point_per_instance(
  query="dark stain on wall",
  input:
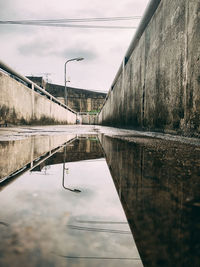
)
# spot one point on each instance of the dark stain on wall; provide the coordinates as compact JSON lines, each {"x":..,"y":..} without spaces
{"x":161,"y":111}
{"x":8,"y":117}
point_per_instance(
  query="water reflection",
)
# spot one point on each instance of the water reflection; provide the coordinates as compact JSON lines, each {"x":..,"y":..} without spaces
{"x":63,"y":209}
{"x":66,"y":170}
{"x":22,"y":155}
{"x":43,"y":224}
{"x":158,"y":183}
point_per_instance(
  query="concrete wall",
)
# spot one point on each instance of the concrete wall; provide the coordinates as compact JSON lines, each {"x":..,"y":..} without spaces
{"x":22,"y":105}
{"x":158,"y":85}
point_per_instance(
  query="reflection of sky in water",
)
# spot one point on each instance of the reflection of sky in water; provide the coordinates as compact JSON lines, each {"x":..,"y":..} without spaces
{"x":38,"y":209}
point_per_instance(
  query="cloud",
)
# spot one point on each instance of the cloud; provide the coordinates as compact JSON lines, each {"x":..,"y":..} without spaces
{"x":41,"y":48}
{"x":36,"y":48}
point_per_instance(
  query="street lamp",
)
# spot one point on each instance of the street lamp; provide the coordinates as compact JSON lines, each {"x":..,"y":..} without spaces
{"x":73,"y":59}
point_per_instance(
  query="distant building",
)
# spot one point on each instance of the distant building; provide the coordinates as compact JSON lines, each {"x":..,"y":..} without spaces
{"x":80,"y":100}
{"x":38,"y":80}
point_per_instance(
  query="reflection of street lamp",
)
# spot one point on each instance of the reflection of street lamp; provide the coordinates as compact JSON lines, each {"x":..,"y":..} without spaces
{"x":63,"y":179}
{"x":73,"y":59}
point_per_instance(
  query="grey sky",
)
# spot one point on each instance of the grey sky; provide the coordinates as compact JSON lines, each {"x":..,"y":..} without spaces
{"x":35,"y":50}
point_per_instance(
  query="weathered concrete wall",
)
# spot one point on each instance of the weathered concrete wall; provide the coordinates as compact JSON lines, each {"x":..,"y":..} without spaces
{"x":158,"y":86}
{"x":20,"y":104}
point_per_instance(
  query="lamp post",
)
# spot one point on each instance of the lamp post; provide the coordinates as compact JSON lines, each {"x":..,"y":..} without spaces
{"x":73,"y":59}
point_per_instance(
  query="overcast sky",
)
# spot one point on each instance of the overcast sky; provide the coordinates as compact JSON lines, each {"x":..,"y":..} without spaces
{"x":33,"y":50}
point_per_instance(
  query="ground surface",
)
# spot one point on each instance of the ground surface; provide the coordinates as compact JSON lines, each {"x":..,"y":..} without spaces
{"x":20,"y":132}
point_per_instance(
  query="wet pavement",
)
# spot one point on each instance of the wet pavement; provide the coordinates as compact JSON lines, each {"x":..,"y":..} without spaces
{"x":98,"y":196}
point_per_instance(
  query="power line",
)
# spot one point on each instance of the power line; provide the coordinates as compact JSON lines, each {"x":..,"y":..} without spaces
{"x":98,"y":258}
{"x":101,"y":222}
{"x":73,"y":20}
{"x":64,"y":22}
{"x":71,"y":25}
{"x":80,"y":228}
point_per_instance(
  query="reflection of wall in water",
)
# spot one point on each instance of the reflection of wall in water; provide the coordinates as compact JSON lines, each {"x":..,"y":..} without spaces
{"x":159,"y":187}
{"x":16,"y":154}
{"x":80,"y":149}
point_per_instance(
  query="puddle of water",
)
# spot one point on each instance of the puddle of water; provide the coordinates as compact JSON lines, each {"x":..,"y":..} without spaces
{"x":65,"y":212}
{"x":159,"y":187}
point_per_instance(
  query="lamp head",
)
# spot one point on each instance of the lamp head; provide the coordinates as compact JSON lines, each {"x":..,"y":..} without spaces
{"x":76,"y":190}
{"x":79,"y":58}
